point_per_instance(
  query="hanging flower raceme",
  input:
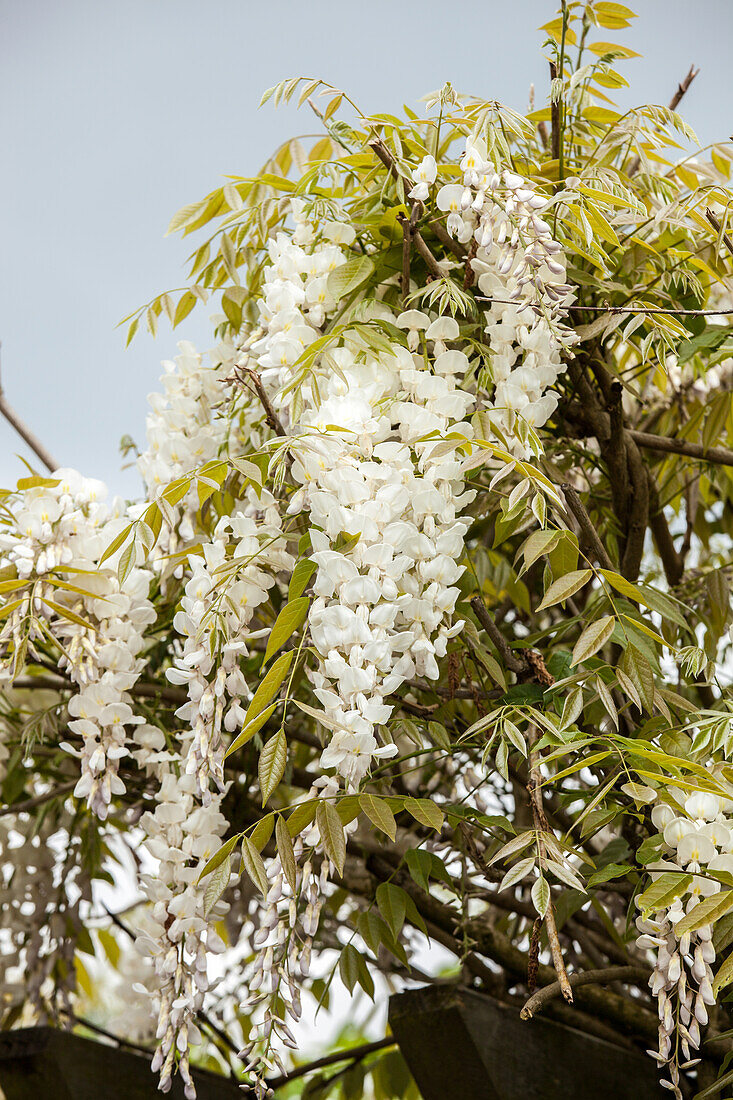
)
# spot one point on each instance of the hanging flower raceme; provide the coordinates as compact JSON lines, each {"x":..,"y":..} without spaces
{"x":179,"y":934}
{"x":225,"y":588}
{"x":697,"y":839}
{"x":61,"y":530}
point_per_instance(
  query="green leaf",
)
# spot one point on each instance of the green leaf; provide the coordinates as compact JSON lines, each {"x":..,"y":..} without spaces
{"x":273,"y":758}
{"x":116,"y":543}
{"x":379,"y":813}
{"x":250,"y":729}
{"x":302,"y":573}
{"x":419,"y":864}
{"x":349,"y":966}
{"x":354,"y":971}
{"x":707,"y":911}
{"x":301,"y":817}
{"x":565,"y":587}
{"x":609,"y":872}
{"x":541,"y":895}
{"x":37,"y":482}
{"x":288,"y":621}
{"x":538,"y":543}
{"x":516,"y":873}
{"x":218,"y":857}
{"x":286,"y":853}
{"x":664,"y":890}
{"x":593,"y":637}
{"x":572,"y":707}
{"x":332,"y":834}
{"x":262,"y":831}
{"x":349,"y":276}
{"x":724,"y":975}
{"x":254,"y":865}
{"x":392,"y":905}
{"x":184,"y":307}
{"x":67,"y":613}
{"x":426,"y":812}
{"x":231,"y":302}
{"x":126,"y":562}
{"x":217,"y":884}
{"x":269,"y":686}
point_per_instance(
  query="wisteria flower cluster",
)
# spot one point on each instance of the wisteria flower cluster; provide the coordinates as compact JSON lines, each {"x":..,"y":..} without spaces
{"x":422,"y":626}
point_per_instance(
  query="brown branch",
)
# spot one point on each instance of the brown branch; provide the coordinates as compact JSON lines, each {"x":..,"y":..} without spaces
{"x":39,"y":800}
{"x":719,"y":456}
{"x":380,"y":150}
{"x":534,"y":787}
{"x":26,"y":434}
{"x":447,"y":241}
{"x":422,"y":248}
{"x":169,"y":693}
{"x":355,"y":1054}
{"x":635,"y":974}
{"x":672,"y":562}
{"x":408,"y":233}
{"x":587,"y":529}
{"x":623,"y":309}
{"x":270,"y":415}
{"x":682,"y":87}
{"x":638,"y":511}
{"x":481,"y":611}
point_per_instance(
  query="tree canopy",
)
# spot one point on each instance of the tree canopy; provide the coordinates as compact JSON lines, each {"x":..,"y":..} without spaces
{"x":421,"y":628}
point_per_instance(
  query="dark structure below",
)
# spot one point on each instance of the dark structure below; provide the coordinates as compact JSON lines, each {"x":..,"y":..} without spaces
{"x":43,"y":1063}
{"x":458,"y":1043}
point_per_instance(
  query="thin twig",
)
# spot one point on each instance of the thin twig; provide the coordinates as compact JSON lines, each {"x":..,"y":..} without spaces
{"x":538,"y":1000}
{"x":715,"y":222}
{"x":619,"y":309}
{"x":534,"y":787}
{"x":380,"y":150}
{"x":592,"y":537}
{"x":124,"y":1043}
{"x":682,"y":88}
{"x":355,"y":1054}
{"x":39,"y":800}
{"x":432,"y":264}
{"x":482,"y":613}
{"x":554,"y":118}
{"x":26,"y":434}
{"x":270,"y":415}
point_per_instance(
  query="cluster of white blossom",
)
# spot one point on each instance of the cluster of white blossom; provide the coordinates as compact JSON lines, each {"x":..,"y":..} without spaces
{"x":225,"y":588}
{"x":179,"y":934}
{"x":183,"y":429}
{"x":382,"y":491}
{"x":521,"y":269}
{"x":282,"y":942}
{"x":61,"y":528}
{"x":226,"y":580}
{"x":698,"y":841}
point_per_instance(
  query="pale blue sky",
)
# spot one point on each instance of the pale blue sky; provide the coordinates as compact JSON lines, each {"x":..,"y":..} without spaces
{"x":113,"y":115}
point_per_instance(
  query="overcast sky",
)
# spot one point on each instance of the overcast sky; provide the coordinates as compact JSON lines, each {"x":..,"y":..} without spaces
{"x":113,"y":115}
